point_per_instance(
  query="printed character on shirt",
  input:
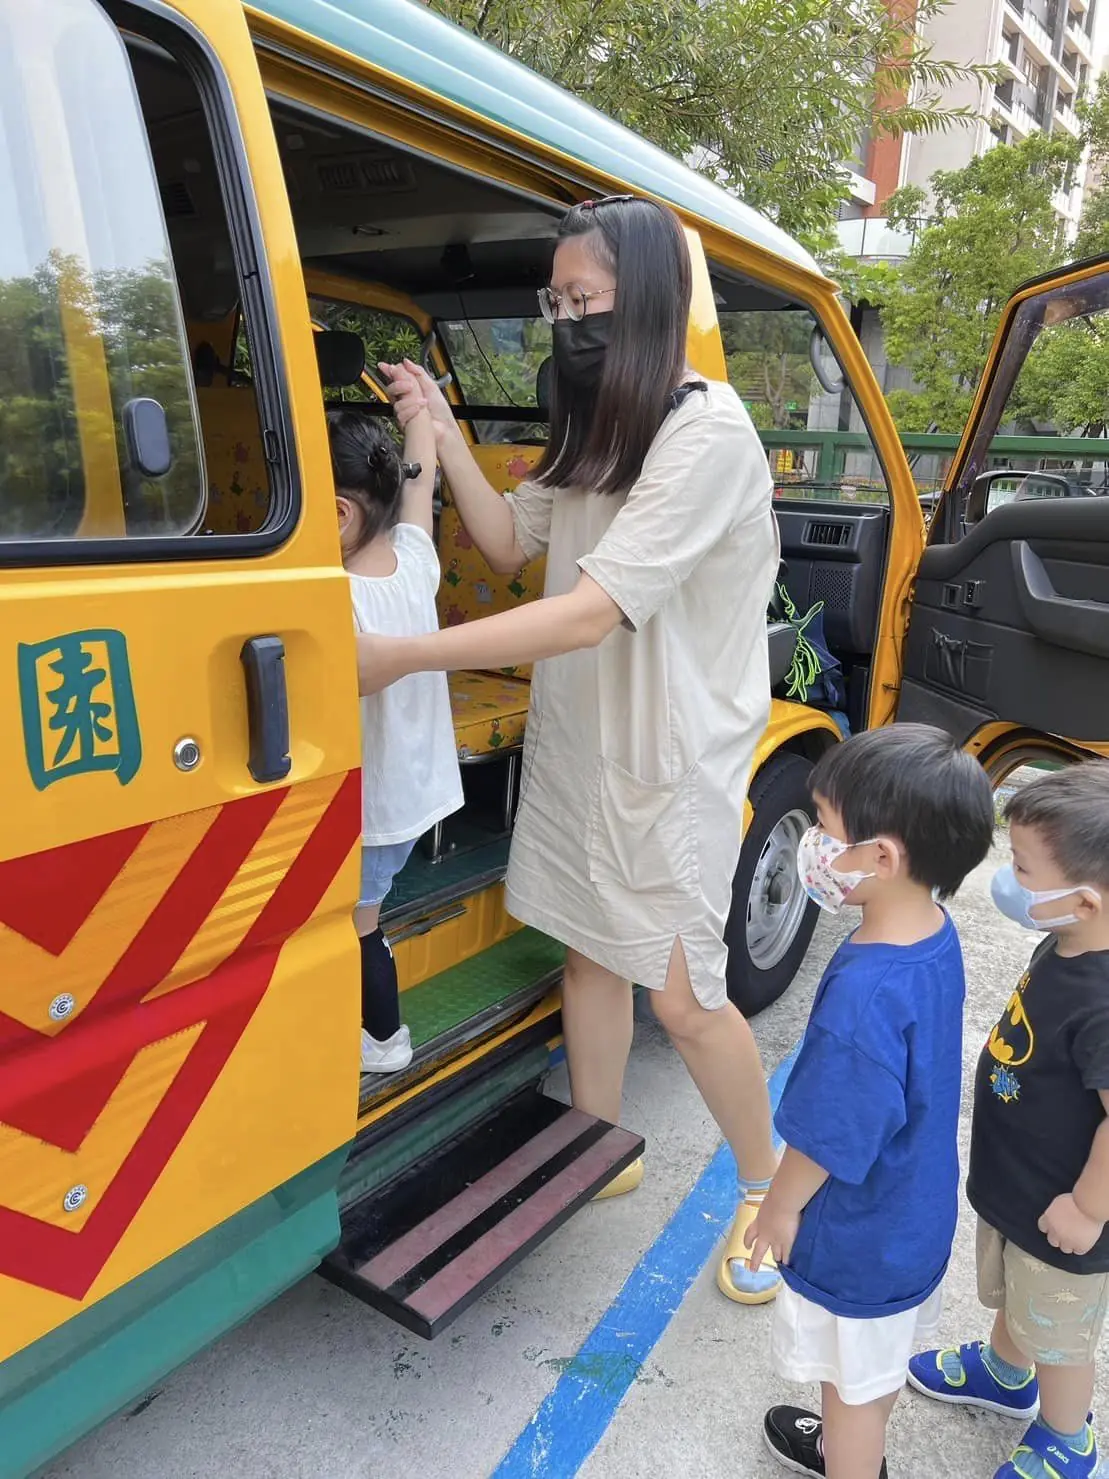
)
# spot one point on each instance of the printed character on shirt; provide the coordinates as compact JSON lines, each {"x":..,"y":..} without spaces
{"x":410,"y":776}
{"x":1039,"y":1145}
{"x":862,"y":1212}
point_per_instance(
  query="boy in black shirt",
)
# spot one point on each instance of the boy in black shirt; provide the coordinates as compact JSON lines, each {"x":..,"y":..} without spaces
{"x":1039,"y":1157}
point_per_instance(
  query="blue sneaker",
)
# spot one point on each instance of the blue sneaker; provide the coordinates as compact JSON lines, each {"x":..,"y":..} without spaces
{"x":975,"y":1387}
{"x":1058,"y":1460}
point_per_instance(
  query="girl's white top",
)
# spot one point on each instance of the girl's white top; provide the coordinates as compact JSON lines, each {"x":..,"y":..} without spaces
{"x":410,"y":777}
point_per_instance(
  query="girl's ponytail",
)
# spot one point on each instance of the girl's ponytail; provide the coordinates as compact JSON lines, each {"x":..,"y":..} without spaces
{"x":367,"y":469}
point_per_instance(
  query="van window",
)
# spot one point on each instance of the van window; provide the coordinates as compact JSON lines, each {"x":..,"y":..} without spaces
{"x":817,"y":442}
{"x":1050,"y":379}
{"x":90,"y":317}
{"x":121,"y":288}
{"x":496,"y":363}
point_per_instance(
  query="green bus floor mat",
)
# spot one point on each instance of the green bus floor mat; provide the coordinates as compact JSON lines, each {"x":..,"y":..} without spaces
{"x":464,"y":991}
{"x":422,"y":882}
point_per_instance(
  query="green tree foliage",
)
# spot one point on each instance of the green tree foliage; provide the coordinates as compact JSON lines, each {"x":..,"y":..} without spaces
{"x":769,"y":97}
{"x":1064,"y":382}
{"x":768,"y":364}
{"x":987,"y":228}
{"x":496,"y":360}
{"x":123,"y":322}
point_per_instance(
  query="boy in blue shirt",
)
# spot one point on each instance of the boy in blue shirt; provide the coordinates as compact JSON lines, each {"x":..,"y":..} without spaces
{"x":862,"y":1212}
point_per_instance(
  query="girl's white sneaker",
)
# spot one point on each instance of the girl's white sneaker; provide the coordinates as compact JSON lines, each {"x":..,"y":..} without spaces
{"x":391,"y":1056}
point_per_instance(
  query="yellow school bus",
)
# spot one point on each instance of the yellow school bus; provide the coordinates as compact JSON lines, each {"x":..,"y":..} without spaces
{"x":213,"y":220}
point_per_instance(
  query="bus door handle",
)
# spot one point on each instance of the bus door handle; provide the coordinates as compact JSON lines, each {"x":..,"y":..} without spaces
{"x":267,"y":703}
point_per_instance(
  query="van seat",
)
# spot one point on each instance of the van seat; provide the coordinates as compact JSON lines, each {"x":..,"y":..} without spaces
{"x":489,"y":712}
{"x":469,"y":590}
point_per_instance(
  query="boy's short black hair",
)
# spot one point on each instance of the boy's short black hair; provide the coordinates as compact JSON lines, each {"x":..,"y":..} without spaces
{"x":1070,"y":810}
{"x":913,"y":783}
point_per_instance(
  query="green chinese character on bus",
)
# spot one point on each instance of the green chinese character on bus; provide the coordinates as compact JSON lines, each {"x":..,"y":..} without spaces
{"x":78,"y":707}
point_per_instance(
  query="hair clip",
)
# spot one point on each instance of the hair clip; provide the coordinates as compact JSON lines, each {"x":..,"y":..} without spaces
{"x":411,"y":470}
{"x":591,"y":205}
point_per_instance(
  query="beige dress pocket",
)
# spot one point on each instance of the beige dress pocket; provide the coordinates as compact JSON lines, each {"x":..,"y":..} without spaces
{"x":642,"y":835}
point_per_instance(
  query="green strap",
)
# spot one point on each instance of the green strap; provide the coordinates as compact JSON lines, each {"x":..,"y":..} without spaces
{"x":804,"y":670}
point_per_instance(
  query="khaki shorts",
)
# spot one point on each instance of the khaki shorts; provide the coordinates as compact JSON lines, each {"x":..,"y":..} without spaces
{"x":1054,"y":1317}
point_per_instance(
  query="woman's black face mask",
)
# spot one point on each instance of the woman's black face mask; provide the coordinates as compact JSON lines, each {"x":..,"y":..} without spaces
{"x":579,"y":348}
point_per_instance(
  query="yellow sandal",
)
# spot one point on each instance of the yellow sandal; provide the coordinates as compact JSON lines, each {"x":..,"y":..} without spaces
{"x":623,"y":1182}
{"x":761,"y":1285}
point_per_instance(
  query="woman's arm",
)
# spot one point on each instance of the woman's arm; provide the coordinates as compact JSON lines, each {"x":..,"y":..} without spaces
{"x":528,"y":633}
{"x":419,"y":446}
{"x":485,"y":515}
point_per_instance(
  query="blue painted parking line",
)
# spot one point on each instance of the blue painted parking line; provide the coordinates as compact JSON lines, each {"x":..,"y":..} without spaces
{"x":573,"y":1417}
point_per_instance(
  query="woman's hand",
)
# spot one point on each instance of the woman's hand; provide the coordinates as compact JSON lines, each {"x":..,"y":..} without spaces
{"x":412,"y":390}
{"x":381,"y":661}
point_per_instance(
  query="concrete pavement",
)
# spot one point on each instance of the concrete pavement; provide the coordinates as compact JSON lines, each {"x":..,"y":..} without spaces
{"x":319,"y":1387}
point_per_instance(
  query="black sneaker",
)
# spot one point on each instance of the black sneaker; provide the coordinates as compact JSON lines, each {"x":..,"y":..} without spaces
{"x":793,"y":1437}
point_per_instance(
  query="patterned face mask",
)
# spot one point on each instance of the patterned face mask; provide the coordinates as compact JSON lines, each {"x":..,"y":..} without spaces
{"x":1017,"y":902}
{"x":825,"y":885}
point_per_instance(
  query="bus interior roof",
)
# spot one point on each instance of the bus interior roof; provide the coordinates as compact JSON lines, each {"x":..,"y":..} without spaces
{"x":364,"y":208}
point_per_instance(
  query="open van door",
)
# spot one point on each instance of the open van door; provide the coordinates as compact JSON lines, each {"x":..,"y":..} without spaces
{"x":1010,"y":615}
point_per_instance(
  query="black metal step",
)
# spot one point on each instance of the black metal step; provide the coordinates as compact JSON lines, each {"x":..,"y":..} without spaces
{"x":422,"y":1249}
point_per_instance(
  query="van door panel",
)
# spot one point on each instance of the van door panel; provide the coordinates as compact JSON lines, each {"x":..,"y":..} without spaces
{"x":1010,"y":616}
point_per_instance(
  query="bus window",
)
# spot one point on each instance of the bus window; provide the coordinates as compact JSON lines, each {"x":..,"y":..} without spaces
{"x":90,"y":317}
{"x":817,"y":441}
{"x":496,"y":362}
{"x":120,"y":287}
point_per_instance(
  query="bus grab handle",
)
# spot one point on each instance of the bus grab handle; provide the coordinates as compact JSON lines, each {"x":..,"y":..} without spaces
{"x":267,"y":703}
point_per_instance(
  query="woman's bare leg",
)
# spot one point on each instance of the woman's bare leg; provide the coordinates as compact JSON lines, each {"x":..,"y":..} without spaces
{"x":719,"y":1050}
{"x":597,"y":1027}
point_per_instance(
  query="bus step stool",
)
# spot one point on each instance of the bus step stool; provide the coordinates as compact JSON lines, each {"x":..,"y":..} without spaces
{"x":423,"y":1248}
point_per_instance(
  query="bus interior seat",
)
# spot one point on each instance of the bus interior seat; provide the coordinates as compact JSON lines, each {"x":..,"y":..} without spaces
{"x":489,"y":709}
{"x":340,"y":357}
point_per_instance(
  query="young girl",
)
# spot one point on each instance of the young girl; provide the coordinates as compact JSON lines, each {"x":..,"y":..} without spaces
{"x":410,"y":777}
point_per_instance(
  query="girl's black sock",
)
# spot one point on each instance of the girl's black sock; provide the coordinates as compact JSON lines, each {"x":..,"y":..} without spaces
{"x":380,"y":994}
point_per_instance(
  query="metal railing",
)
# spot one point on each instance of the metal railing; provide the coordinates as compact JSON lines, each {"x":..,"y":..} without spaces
{"x":843,"y":466}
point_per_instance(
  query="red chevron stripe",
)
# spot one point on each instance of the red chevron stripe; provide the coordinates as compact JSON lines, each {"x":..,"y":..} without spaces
{"x":63,"y":1114}
{"x":48,"y":897}
{"x":68,"y":1263}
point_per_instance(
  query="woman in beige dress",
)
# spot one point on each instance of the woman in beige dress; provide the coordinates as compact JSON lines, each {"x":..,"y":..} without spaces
{"x":652,"y":504}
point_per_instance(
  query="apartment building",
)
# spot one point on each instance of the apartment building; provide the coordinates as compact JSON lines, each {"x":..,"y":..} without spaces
{"x":1049,"y":54}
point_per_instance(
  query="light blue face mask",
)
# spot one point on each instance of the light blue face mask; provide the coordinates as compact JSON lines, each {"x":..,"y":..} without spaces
{"x":1016,"y":902}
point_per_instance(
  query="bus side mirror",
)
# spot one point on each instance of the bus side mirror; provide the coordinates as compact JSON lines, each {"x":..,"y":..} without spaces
{"x":146,"y":434}
{"x":993,"y":490}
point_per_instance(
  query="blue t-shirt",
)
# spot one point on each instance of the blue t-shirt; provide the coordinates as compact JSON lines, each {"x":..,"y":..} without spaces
{"x":874,"y":1100}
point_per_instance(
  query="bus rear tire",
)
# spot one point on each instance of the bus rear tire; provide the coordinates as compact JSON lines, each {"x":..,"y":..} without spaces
{"x":772,"y":918}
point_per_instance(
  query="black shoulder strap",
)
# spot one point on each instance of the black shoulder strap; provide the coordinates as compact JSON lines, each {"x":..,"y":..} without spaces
{"x":679,"y":394}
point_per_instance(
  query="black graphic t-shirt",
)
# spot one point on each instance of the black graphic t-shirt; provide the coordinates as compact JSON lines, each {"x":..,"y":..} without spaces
{"x":1036,"y":1102}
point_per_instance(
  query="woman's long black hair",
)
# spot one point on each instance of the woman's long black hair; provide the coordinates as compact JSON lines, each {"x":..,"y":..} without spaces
{"x":599,"y":440}
{"x":367,"y":469}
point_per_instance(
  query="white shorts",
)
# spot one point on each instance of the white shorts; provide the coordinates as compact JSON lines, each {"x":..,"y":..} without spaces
{"x":862,"y":1359}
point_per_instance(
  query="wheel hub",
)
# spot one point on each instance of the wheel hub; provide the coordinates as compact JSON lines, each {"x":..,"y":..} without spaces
{"x":777,"y":902}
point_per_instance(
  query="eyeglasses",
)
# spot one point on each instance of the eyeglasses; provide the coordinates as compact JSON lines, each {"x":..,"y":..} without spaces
{"x":573,"y":302}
